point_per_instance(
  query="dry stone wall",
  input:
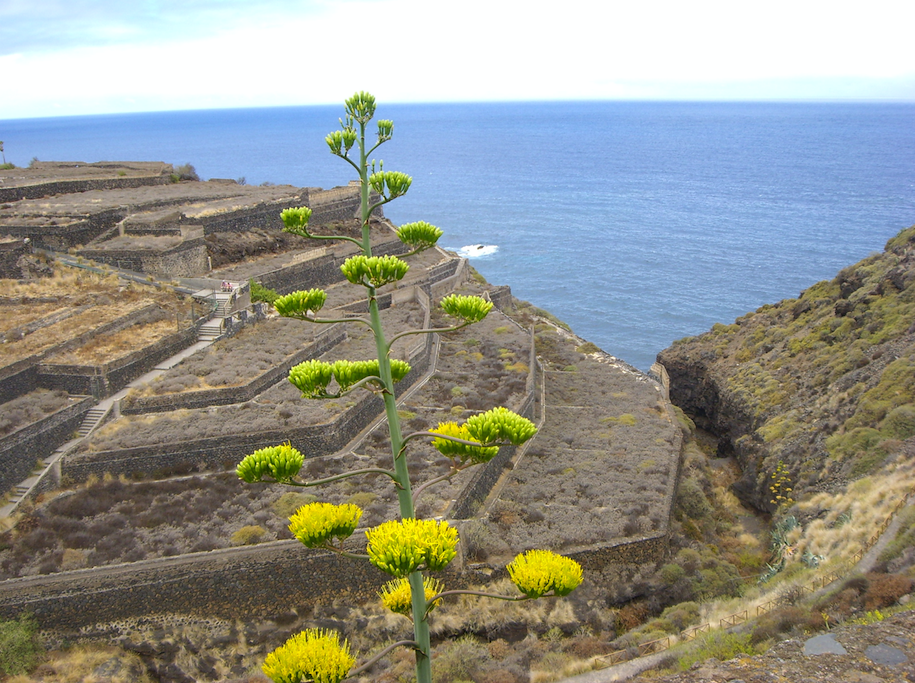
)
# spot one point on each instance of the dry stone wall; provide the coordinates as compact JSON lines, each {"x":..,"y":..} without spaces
{"x":257,"y":582}
{"x":20,"y":450}
{"x":225,"y":452}
{"x":224,"y":396}
{"x":187,"y":259}
{"x":246,"y":583}
{"x":106,"y":379}
{"x":10,"y":253}
{"x":47,"y":189}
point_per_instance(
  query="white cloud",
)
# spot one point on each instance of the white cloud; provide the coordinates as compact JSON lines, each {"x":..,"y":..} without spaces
{"x":262,"y":54}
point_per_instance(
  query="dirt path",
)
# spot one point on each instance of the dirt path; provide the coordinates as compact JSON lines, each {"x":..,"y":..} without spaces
{"x":626,"y":670}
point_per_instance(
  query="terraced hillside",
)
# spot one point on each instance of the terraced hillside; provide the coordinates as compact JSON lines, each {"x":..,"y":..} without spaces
{"x":151,"y":482}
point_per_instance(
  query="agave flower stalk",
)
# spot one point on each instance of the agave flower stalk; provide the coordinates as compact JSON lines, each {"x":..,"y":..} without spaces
{"x":404,"y":547}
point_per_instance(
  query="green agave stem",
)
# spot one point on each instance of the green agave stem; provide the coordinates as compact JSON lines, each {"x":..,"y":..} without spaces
{"x":404,"y":492}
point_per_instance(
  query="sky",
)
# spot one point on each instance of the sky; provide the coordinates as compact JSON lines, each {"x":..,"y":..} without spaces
{"x":71,"y":57}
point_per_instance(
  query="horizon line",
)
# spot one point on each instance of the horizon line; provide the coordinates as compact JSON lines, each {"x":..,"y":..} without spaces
{"x":825,"y":101}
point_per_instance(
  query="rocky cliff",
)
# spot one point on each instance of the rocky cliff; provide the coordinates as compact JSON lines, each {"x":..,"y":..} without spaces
{"x":823,"y":384}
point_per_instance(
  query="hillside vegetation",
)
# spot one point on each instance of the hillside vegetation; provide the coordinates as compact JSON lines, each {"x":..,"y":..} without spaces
{"x":823,"y":384}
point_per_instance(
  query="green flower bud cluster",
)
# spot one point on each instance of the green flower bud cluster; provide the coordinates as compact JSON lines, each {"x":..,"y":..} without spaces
{"x":390,"y":184}
{"x":499,"y":425}
{"x":461,"y":451}
{"x":312,"y":655}
{"x":295,"y":220}
{"x":385,"y":130}
{"x":312,"y":377}
{"x":374,"y":270}
{"x":297,"y":304}
{"x":399,"y":547}
{"x":317,"y":523}
{"x":396,"y":596}
{"x":537,"y":572}
{"x":360,"y":106}
{"x":419,"y":235}
{"x":281,"y":462}
{"x":342,"y":141}
{"x":470,"y":309}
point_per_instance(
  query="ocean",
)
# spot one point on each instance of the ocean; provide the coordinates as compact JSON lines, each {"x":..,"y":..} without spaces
{"x":637,"y":223}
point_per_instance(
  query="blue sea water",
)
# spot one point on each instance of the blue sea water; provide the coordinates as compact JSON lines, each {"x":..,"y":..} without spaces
{"x":637,"y":223}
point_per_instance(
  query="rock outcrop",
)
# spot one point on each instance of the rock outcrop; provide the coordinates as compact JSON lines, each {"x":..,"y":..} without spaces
{"x":824,"y":384}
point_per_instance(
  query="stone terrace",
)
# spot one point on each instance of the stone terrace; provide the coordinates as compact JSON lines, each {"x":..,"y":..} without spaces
{"x":604,"y":427}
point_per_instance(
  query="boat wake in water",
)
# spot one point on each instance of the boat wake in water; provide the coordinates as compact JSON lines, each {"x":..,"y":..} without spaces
{"x":476,"y":250}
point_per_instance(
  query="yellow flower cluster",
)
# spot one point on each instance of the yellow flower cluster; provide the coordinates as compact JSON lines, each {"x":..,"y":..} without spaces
{"x":397,"y":596}
{"x":461,"y":451}
{"x":316,"y":523}
{"x":374,"y":270}
{"x":537,"y":572}
{"x":781,"y":485}
{"x":281,"y":462}
{"x":314,"y":654}
{"x":399,"y":547}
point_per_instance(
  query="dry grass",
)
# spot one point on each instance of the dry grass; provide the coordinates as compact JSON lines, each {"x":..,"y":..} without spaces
{"x":114,"y":346}
{"x":93,"y":299}
{"x":17,"y":316}
{"x":87,"y":664}
{"x":64,"y":282}
{"x":848,"y":519}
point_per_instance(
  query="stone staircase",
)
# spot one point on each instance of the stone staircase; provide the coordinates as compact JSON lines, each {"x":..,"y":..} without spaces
{"x":93,"y":419}
{"x":211,"y":330}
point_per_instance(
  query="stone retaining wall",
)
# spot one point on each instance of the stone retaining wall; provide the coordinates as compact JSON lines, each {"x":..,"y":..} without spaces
{"x":641,"y":552}
{"x":10,"y":253}
{"x":225,"y":452}
{"x":337,"y":204}
{"x":257,"y":582}
{"x":321,"y":271}
{"x":263,"y":216}
{"x":20,"y":450}
{"x":79,"y":229}
{"x":19,"y":378}
{"x":244,"y":583}
{"x":22,"y":376}
{"x":224,"y":396}
{"x":485,"y":477}
{"x":47,"y":189}
{"x":103,"y":380}
{"x":187,"y":259}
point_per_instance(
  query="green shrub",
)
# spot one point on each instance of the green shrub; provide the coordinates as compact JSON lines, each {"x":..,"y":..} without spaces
{"x":248,"y":535}
{"x":362,"y":499}
{"x":261,"y":293}
{"x":588,"y":347}
{"x":288,"y":503}
{"x":19,"y":646}
{"x":186,"y":172}
{"x":718,"y":644}
{"x":691,"y":499}
{"x":671,"y":573}
{"x":899,"y":423}
{"x":905,"y":538}
{"x":460,"y":660}
{"x":683,"y":615}
{"x":855,"y":442}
